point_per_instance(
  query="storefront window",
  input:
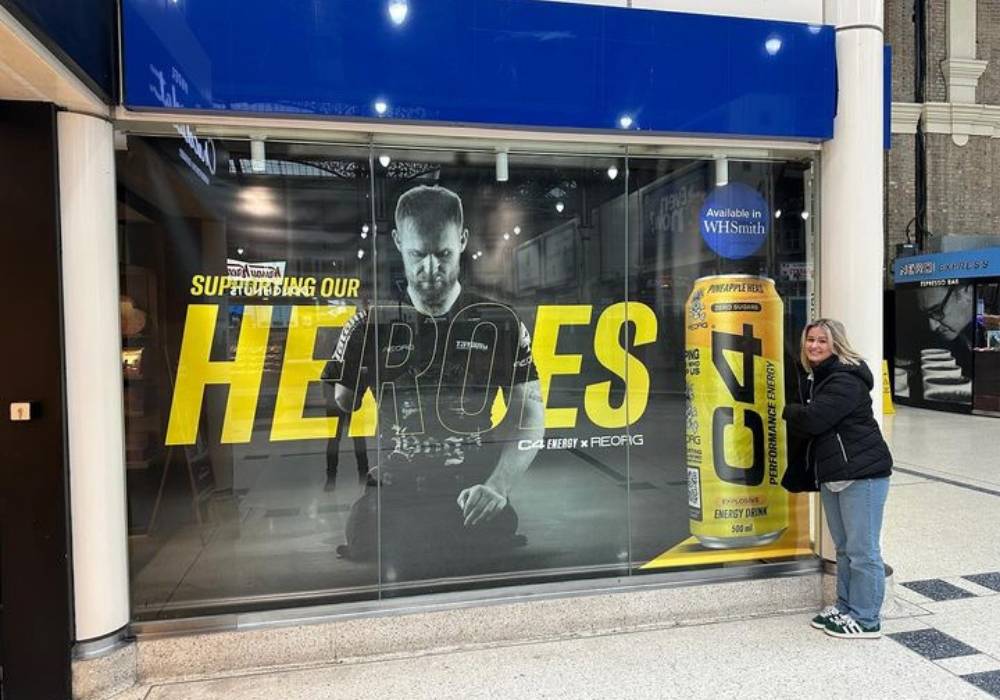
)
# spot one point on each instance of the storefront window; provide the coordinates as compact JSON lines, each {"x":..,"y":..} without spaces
{"x":359,"y":372}
{"x":718,"y":264}
{"x":986,"y":389}
{"x":232,"y":282}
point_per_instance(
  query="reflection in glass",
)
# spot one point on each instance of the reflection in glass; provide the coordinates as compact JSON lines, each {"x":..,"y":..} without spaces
{"x":240,"y":469}
{"x":377,"y":371}
{"x":487,"y":343}
{"x":702,"y":251}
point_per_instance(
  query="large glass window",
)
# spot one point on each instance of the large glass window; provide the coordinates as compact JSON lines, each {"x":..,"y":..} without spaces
{"x":355,"y":372}
{"x":718,"y":281}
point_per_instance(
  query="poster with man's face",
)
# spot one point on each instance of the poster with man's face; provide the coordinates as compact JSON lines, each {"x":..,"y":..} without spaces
{"x":934,"y":340}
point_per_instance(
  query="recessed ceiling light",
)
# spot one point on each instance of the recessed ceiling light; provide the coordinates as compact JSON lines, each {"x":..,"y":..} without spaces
{"x":398,"y":10}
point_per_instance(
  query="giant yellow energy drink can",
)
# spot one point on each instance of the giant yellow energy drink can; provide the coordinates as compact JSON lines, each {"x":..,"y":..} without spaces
{"x":735,"y":395}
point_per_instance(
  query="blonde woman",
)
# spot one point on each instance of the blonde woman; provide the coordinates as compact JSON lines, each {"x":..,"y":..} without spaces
{"x":851,"y":464}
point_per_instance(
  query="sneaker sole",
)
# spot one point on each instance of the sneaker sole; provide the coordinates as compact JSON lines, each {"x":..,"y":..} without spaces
{"x":817,"y":625}
{"x":853,"y":635}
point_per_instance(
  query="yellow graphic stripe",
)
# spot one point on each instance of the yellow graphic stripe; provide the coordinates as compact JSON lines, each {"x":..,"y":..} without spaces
{"x":691,"y":553}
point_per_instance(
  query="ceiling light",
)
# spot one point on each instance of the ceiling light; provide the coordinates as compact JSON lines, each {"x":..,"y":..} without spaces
{"x":398,"y":10}
{"x":721,"y":171}
{"x":503,"y":172}
{"x":805,"y":215}
{"x":613,"y":172}
{"x":506,"y":236}
{"x":773,"y":45}
{"x":517,"y":230}
{"x":384,"y":160}
{"x":258,"y":201}
{"x":479,"y":253}
{"x":777,"y":213}
{"x":364,"y":235}
{"x":239,"y":251}
{"x":365,"y":229}
{"x":625,"y":121}
{"x":559,"y":207}
{"x":258,"y":156}
{"x":361,"y":253}
{"x":381,"y":107}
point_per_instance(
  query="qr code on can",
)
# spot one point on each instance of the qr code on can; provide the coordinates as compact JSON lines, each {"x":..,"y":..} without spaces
{"x":694,"y":488}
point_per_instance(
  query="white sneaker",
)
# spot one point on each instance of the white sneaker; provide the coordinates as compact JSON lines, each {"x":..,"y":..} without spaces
{"x":846,"y":627}
{"x":826,"y":614}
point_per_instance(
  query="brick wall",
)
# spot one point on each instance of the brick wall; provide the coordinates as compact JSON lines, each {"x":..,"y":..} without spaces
{"x":988,"y":49}
{"x":963,"y":185}
{"x":899,"y":33}
{"x":936,"y":14}
{"x":900,"y":207}
{"x":963,"y":182}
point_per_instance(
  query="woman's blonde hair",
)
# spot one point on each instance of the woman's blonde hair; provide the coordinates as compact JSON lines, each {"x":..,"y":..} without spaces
{"x":838,"y":339}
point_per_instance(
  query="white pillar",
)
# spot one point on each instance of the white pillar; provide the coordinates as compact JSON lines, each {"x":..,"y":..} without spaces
{"x":851,"y":230}
{"x":94,"y":414}
{"x":851,"y":185}
{"x":961,"y":69}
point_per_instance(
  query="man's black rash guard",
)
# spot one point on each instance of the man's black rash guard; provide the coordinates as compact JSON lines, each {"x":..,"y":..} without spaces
{"x":436,"y":379}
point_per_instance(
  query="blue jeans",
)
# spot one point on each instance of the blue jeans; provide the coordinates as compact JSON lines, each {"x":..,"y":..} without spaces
{"x":855,"y":519}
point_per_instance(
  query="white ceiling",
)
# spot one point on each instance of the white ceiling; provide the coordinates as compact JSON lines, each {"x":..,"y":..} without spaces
{"x":29,"y":71}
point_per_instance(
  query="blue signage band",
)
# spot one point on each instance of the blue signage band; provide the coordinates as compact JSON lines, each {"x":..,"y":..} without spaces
{"x":521,"y":63}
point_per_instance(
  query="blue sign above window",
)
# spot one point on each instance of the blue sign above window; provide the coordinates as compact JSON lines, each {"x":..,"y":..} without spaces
{"x":81,"y":34}
{"x":520,"y":63}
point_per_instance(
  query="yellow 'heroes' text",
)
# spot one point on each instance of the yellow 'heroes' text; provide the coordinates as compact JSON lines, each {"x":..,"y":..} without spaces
{"x":244,"y":373}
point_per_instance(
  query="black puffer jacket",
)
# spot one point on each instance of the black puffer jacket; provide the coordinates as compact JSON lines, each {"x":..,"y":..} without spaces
{"x":844,"y":440}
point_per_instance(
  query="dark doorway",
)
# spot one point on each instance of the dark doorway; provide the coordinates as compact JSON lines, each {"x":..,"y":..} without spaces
{"x":35,"y":592}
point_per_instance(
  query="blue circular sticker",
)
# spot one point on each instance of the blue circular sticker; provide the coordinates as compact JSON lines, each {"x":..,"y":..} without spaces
{"x":735,"y":221}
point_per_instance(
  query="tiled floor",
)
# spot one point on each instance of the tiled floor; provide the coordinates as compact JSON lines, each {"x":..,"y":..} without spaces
{"x":940,"y":536}
{"x":776,"y":657}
